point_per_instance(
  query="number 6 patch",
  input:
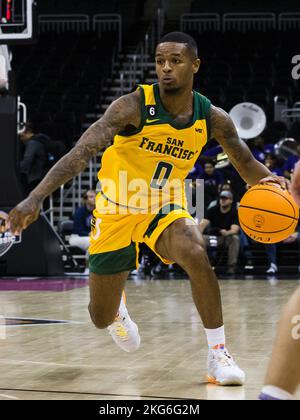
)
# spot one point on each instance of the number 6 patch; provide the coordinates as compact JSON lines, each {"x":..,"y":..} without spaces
{"x":151,"y":110}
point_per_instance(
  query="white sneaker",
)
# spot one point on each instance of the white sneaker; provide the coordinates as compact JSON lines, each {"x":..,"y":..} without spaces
{"x":273,"y":269}
{"x":124,"y":331}
{"x":222,"y":369}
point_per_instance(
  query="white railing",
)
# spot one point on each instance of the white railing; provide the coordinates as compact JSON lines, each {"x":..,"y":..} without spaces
{"x":138,"y":61}
{"x":242,"y":22}
{"x":290,"y":115}
{"x":249,"y":21}
{"x":160,"y":22}
{"x":64,"y":23}
{"x":99,"y":23}
{"x":75,"y":190}
{"x":107,"y":23}
{"x":289,"y":21}
{"x":280,"y":104}
{"x":200,"y":22}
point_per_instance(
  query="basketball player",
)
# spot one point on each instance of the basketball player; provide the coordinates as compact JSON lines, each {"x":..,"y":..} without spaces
{"x":283,"y":376}
{"x":158,"y":133}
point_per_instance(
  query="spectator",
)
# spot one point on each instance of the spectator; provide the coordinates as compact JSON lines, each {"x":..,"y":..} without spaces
{"x":212,"y":179}
{"x":221,"y":224}
{"x":257,"y":146}
{"x":211,"y":175}
{"x":246,"y":253}
{"x":197,"y":172}
{"x":289,"y":165}
{"x":34,"y":164}
{"x":272,"y":163}
{"x":224,"y":187}
{"x":82,"y":222}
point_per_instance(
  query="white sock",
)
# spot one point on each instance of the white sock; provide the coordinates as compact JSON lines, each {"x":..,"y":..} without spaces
{"x":278,"y":393}
{"x":215,"y":337}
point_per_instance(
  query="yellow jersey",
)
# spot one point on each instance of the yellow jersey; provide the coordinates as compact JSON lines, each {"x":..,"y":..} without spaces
{"x":151,"y":162}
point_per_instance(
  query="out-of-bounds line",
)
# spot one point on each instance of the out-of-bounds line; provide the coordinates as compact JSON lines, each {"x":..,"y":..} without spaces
{"x":93,"y":393}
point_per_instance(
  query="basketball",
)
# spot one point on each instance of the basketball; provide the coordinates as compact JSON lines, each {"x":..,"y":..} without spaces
{"x":268,"y":214}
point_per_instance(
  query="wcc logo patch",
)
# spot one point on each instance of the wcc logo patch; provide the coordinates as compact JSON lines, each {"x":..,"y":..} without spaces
{"x":7,"y":239}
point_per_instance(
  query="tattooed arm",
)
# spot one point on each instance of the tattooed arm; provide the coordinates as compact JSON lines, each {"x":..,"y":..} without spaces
{"x":252,"y":171}
{"x":122,"y":113}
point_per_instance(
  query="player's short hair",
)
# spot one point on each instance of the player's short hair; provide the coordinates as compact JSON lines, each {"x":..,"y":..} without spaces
{"x":182,"y":38}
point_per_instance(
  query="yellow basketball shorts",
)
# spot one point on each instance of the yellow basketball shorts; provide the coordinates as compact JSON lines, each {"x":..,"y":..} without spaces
{"x":115,"y":238}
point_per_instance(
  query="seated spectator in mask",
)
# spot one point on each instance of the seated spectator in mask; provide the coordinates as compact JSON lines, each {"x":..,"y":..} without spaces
{"x":211,"y":175}
{"x":221,"y":221}
{"x":82,"y":222}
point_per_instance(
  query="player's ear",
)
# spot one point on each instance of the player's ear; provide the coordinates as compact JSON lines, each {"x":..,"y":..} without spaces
{"x":196,"y":65}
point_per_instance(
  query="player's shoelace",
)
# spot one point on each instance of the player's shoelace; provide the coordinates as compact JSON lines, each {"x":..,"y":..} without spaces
{"x":224,"y":358}
{"x":119,"y":330}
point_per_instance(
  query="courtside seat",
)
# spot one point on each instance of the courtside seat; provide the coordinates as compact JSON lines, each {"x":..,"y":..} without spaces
{"x":65,"y":228}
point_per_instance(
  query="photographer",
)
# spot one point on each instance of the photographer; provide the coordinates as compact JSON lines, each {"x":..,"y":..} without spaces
{"x":220,"y":225}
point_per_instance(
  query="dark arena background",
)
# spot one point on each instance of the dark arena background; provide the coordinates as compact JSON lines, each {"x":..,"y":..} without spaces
{"x":62,"y":63}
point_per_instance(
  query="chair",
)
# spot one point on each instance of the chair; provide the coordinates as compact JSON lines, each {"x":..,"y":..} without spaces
{"x":65,"y":228}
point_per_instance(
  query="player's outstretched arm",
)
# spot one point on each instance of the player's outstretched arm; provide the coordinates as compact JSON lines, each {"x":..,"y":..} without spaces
{"x":122,"y":113}
{"x":252,"y":171}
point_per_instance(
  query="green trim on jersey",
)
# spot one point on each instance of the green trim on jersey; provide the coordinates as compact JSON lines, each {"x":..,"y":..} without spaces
{"x":201,"y":111}
{"x":205,"y":107}
{"x":164,"y":115}
{"x":163,"y":212}
{"x":113,"y":262}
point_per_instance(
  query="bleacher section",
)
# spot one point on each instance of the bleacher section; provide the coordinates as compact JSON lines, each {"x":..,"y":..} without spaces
{"x":253,"y":66}
{"x":60,"y":79}
{"x":65,"y":77}
{"x":227,"y":6}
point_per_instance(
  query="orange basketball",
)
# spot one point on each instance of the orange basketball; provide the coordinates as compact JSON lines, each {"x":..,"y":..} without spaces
{"x":268,"y":214}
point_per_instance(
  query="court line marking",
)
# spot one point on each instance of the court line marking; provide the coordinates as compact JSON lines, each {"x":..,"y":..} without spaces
{"x":48,"y":322}
{"x":94,"y":393}
{"x":9,"y":396}
{"x":22,"y":362}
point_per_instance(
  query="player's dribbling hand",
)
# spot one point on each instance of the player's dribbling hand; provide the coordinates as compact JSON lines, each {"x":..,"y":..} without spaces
{"x":279,"y":180}
{"x":23,"y":215}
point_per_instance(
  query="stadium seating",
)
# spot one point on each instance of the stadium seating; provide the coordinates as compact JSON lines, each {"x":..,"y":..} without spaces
{"x":60,"y":77}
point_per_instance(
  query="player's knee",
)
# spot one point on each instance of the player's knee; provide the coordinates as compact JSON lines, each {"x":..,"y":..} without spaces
{"x":196,"y":255}
{"x":100,"y":319}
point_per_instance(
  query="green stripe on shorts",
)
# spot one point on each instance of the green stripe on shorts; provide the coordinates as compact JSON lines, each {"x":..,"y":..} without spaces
{"x":114,"y":262}
{"x":163,"y":212}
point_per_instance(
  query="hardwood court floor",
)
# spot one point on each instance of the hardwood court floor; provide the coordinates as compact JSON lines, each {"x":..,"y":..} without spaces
{"x":77,"y":361}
